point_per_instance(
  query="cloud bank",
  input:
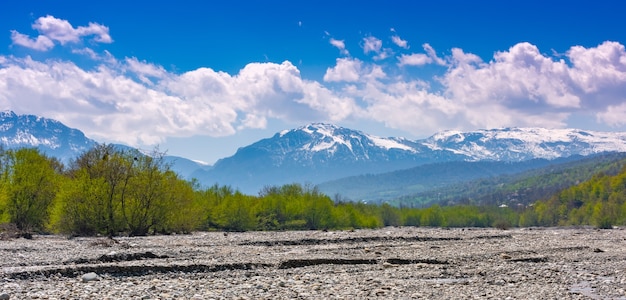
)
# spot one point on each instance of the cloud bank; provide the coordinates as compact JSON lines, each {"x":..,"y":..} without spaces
{"x":137,"y":102}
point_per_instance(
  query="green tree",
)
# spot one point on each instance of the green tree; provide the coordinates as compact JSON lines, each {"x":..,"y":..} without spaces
{"x":29,"y":185}
{"x":183,"y":212}
{"x":390,"y":215}
{"x":145,"y":200}
{"x":98,"y":187}
{"x":318,"y":212}
{"x":235,"y":213}
{"x":432,"y":216}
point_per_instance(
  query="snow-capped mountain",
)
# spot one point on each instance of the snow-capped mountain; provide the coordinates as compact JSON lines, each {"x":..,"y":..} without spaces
{"x":519,"y":144}
{"x":320,"y":152}
{"x":320,"y":143}
{"x":314,"y":153}
{"x":49,"y":136}
{"x":55,"y":139}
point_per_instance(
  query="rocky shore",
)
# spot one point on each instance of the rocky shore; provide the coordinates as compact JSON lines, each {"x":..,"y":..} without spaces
{"x":389,"y":263}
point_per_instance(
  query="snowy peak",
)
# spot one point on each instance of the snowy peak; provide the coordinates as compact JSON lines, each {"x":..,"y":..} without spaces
{"x":517,"y":144}
{"x":332,"y":138}
{"x":49,"y":136}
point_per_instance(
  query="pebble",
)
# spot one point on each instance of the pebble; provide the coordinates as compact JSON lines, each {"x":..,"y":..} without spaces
{"x":89,"y":277}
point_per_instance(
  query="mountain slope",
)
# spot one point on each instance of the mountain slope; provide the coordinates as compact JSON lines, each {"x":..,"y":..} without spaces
{"x":525,"y":187}
{"x":49,"y":136}
{"x":421,"y":179}
{"x":55,"y":139}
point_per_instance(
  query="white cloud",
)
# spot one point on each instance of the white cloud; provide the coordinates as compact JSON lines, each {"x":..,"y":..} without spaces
{"x":433,"y":55}
{"x":372,"y":44}
{"x":351,"y":70}
{"x":87,"y":52}
{"x":346,"y":69}
{"x":384,"y":54}
{"x":144,"y":70}
{"x":524,"y":87}
{"x":400,"y":42}
{"x":339,"y":44}
{"x":602,"y":67}
{"x":114,"y":103}
{"x":41,"y":43}
{"x":53,"y":29}
{"x":415,"y":59}
{"x":420,"y":59}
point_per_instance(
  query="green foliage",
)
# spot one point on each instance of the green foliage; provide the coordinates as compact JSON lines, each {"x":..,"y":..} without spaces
{"x":110,"y":191}
{"x":600,"y":201}
{"x":107,"y":191}
{"x":29,"y":184}
{"x":433,"y":216}
{"x":390,"y":215}
{"x":523,"y":188}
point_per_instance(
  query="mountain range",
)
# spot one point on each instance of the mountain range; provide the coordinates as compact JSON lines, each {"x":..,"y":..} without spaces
{"x":319,"y":153}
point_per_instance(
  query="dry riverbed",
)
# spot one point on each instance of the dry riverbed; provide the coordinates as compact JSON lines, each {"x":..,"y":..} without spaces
{"x":389,"y":263}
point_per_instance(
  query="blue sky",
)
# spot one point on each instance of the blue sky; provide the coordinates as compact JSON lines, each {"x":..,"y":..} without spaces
{"x":202,"y":78}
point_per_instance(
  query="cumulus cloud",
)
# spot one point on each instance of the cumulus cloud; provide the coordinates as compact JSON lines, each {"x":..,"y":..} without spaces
{"x":52,"y":30}
{"x":145,"y":70}
{"x":420,"y":59}
{"x":346,"y":70}
{"x":523,"y":84}
{"x":400,"y":42}
{"x":433,"y":55}
{"x":339,"y":44}
{"x":350,"y":70}
{"x":116,"y":103}
{"x":41,"y":43}
{"x":371,"y":44}
{"x":415,"y":59}
{"x":374,"y":45}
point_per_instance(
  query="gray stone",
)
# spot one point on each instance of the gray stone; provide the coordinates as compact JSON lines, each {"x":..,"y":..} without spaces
{"x":4,"y":296}
{"x":89,"y":277}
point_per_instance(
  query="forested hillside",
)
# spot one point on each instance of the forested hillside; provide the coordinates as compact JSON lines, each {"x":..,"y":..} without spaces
{"x":379,"y":188}
{"x":521,"y":188}
{"x":600,"y":201}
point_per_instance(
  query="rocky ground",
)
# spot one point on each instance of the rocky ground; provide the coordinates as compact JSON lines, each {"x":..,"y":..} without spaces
{"x":389,"y":263}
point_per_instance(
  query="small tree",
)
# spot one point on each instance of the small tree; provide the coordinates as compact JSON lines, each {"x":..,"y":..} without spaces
{"x":29,"y":187}
{"x":98,"y":188}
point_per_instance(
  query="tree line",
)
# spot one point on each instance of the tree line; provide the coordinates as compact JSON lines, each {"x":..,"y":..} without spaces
{"x":109,"y":191}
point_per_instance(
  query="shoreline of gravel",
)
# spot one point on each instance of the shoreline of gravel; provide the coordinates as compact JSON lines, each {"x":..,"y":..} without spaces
{"x":387,"y":263}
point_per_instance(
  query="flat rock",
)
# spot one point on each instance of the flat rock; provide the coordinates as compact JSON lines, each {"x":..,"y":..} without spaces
{"x":91,"y":276}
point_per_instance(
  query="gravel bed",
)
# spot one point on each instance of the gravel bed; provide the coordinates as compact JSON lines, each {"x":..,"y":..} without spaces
{"x":388,"y":263}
